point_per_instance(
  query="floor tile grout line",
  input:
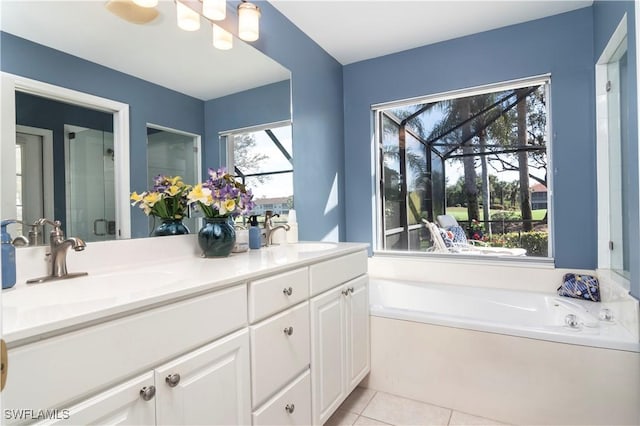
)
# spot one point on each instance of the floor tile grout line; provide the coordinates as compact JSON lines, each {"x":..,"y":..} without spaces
{"x":375,"y":392}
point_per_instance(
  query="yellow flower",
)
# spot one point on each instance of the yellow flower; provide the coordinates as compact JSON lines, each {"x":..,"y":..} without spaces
{"x":151,"y":198}
{"x":136,"y":198}
{"x":173,"y":190}
{"x":227,"y":206}
{"x":198,"y":193}
{"x":174,"y":181}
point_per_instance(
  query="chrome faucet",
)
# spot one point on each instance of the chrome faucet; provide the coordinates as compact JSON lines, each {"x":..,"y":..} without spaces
{"x":58,"y":253}
{"x":269,"y":228}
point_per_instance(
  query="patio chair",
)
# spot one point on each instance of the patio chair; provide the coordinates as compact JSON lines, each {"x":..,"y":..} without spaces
{"x":441,"y":245}
{"x":448,"y":222}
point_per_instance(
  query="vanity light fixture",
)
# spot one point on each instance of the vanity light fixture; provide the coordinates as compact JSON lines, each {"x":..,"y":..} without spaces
{"x":222,"y":39}
{"x":146,"y":3}
{"x":188,"y":19}
{"x":215,"y":10}
{"x":248,"y":21}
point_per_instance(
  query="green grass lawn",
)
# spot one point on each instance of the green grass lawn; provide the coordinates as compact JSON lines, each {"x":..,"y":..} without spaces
{"x":460,"y":213}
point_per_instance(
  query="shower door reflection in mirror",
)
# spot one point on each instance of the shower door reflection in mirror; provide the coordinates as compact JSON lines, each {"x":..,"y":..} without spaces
{"x":89,"y":183}
{"x":173,"y":153}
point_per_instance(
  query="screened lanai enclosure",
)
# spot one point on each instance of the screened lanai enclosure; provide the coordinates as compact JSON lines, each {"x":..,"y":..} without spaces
{"x":470,"y":167}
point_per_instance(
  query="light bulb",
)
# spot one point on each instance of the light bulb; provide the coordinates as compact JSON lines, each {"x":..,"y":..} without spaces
{"x":222,"y":39}
{"x":216,"y":10}
{"x":188,"y":20}
{"x":146,"y":3}
{"x":248,"y":21}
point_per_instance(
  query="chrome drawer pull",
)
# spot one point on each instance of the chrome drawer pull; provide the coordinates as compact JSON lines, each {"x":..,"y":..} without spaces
{"x":290,"y":408}
{"x":172,"y":380}
{"x":148,"y":392}
{"x":288,"y":331}
{"x":288,"y":291}
{"x":345,"y":292}
{"x":350,"y":289}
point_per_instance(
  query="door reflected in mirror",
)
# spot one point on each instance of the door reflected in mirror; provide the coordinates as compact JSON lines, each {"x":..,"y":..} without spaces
{"x":65,"y":167}
{"x":173,"y":153}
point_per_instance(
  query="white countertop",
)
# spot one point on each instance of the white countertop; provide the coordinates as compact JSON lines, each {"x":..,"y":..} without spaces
{"x":138,"y":274}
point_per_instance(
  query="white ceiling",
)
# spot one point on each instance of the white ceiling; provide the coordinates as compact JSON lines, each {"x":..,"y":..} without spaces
{"x":158,"y":52}
{"x":356,"y":30}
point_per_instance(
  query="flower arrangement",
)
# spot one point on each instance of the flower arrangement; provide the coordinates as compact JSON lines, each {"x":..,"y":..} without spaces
{"x":221,"y":196}
{"x":166,"y":200}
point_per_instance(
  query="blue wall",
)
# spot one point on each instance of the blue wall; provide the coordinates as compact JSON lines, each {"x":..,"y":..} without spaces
{"x":262,"y":105}
{"x":148,"y":102}
{"x":317,"y":114}
{"x":607,"y":16}
{"x":560,"y":45}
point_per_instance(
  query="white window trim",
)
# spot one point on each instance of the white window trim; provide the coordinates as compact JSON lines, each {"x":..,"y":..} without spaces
{"x":477,"y":90}
{"x":602,"y":152}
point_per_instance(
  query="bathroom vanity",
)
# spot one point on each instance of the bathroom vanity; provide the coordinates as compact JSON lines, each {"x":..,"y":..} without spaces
{"x":272,"y":336}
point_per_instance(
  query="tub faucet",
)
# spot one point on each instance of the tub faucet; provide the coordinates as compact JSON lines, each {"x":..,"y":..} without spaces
{"x":269,"y":228}
{"x":58,"y":253}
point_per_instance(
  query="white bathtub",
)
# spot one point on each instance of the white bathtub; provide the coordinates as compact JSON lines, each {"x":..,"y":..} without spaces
{"x":501,"y":354}
{"x":515,"y":313}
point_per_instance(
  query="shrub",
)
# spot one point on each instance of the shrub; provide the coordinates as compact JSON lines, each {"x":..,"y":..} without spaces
{"x":535,"y":242}
{"x":497,"y":207}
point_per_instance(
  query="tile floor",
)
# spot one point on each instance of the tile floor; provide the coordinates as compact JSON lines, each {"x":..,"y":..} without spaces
{"x":368,"y":407}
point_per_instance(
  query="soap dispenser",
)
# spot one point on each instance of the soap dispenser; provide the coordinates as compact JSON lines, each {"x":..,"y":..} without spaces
{"x":255,"y":240}
{"x":292,"y":233}
{"x":8,"y":256}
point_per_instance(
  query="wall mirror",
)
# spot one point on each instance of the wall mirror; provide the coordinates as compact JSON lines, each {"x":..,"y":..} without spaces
{"x":156,"y":75}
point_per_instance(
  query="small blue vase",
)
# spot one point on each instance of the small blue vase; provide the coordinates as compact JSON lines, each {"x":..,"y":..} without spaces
{"x":217,"y":237}
{"x":170,"y":227}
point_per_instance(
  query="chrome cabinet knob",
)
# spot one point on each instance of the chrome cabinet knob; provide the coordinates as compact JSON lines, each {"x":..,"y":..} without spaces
{"x":148,"y":392}
{"x":289,"y":408}
{"x":288,"y":291}
{"x":350,"y":289}
{"x":288,"y":331}
{"x":173,"y":380}
{"x":345,"y":292}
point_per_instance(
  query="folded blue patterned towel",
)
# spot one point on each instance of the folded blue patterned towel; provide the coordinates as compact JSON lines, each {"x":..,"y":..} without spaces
{"x":580,"y":287}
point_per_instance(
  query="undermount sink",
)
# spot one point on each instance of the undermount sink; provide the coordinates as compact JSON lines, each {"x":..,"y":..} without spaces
{"x":310,"y":247}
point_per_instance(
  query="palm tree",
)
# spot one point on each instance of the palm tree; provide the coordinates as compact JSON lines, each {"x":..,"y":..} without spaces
{"x":523,"y":162}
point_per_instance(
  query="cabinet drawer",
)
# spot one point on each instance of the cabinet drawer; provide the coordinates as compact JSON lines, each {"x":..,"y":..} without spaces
{"x":86,"y":361}
{"x":277,"y":356}
{"x":331,"y":273}
{"x":292,"y":406}
{"x":277,"y":293}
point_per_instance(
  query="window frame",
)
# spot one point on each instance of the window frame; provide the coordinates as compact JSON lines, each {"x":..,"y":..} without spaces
{"x":377,"y":110}
{"x":226,"y":139}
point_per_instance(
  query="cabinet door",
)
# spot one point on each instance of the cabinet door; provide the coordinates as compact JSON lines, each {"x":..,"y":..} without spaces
{"x":328,"y":363}
{"x":358,"y":348}
{"x":209,"y":386}
{"x":120,"y":405}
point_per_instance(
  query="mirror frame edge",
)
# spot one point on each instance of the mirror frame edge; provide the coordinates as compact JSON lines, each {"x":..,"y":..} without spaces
{"x":120,"y":111}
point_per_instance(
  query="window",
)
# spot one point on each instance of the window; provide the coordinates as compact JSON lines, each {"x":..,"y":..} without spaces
{"x":466,"y":172}
{"x":614,"y":156}
{"x":262,"y":158}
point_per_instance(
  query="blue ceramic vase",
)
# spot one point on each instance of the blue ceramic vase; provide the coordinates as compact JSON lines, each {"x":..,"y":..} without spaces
{"x":217,"y":237}
{"x":170,"y":227}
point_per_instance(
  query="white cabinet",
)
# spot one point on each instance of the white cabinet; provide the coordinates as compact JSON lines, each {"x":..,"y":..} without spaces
{"x":121,"y":405}
{"x":210,"y":385}
{"x":340,"y":350}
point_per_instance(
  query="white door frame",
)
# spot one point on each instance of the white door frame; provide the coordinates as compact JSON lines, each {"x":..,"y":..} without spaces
{"x":120,"y":111}
{"x":47,"y":164}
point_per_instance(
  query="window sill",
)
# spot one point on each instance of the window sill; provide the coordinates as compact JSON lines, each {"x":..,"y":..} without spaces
{"x":512,"y":261}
